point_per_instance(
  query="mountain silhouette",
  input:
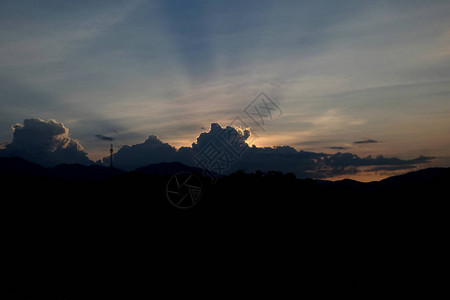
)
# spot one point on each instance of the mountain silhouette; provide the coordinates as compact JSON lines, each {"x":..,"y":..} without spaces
{"x":435,"y":177}
{"x":425,"y":178}
{"x":77,"y":171}
{"x":20,"y":167}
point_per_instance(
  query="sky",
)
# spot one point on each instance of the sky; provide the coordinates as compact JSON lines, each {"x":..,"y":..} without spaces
{"x":369,"y":78}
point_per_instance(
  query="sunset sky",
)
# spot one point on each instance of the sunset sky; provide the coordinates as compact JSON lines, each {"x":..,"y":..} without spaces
{"x":366,"y":77}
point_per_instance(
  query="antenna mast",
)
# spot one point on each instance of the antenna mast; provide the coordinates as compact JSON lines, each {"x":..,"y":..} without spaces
{"x":111,"y":158}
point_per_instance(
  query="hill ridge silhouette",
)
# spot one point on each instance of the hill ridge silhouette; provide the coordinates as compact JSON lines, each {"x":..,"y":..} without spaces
{"x":20,"y":166}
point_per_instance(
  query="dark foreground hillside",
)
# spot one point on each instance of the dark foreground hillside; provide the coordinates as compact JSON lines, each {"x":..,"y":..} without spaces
{"x":346,"y":233}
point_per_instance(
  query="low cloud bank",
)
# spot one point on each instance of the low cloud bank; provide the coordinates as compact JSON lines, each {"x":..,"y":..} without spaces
{"x":221,"y":150}
{"x":227,"y":146}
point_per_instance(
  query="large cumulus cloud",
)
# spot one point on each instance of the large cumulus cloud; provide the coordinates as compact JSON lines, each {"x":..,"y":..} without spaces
{"x":234,"y":135}
{"x":45,"y":143}
{"x":153,"y":150}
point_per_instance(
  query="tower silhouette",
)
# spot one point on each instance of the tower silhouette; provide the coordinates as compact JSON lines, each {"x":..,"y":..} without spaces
{"x":111,"y":156}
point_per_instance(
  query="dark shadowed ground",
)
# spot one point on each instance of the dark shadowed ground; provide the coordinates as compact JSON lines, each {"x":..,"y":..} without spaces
{"x":79,"y":231}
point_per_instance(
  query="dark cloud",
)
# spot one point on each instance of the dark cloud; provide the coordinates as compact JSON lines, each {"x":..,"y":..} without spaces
{"x":289,"y":160}
{"x":45,"y":143}
{"x":339,"y":160}
{"x":282,"y":158}
{"x":368,"y":141}
{"x":104,"y":138}
{"x":221,"y":136}
{"x":317,"y":165}
{"x":338,"y":148}
{"x":153,"y":150}
{"x":230,"y":143}
{"x":391,"y":168}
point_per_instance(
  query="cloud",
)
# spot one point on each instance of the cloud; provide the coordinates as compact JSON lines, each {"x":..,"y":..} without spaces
{"x":220,"y":135}
{"x":281,"y":158}
{"x":41,"y":40}
{"x":317,"y":165}
{"x":225,"y":150}
{"x":104,"y":138}
{"x":49,"y":144}
{"x":45,"y":143}
{"x":391,"y":168}
{"x":341,"y":160}
{"x":285,"y":158}
{"x":153,"y":150}
{"x":338,"y":148}
{"x":368,"y":141}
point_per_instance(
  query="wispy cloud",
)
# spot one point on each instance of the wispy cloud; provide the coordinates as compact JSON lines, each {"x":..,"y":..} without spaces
{"x":367,"y":141}
{"x":104,"y":138}
{"x":43,"y":38}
